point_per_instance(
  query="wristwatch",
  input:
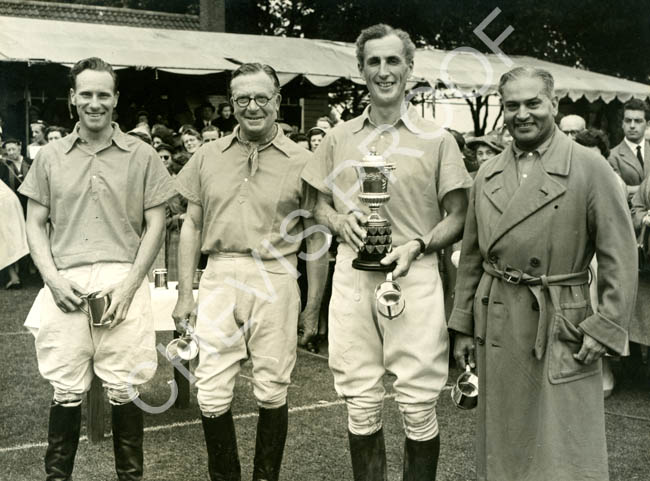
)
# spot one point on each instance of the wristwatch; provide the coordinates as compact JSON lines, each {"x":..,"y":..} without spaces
{"x":422,"y":248}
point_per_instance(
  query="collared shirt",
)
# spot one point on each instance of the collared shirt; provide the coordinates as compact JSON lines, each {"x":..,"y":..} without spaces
{"x":248,"y":202}
{"x":428,"y":166}
{"x":633,"y":147}
{"x":97,"y":199}
{"x":525,"y":159}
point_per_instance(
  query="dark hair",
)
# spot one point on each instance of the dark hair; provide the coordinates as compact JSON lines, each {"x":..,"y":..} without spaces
{"x":594,"y":138}
{"x":192,"y":131}
{"x":55,"y":128}
{"x":298,"y":137}
{"x":181,"y":157}
{"x":636,"y":104}
{"x":458,"y":137}
{"x":382,"y":30}
{"x":166,"y":147}
{"x":91,"y":63}
{"x":12,"y":141}
{"x":529,"y":72}
{"x":315,"y":131}
{"x":222,"y":106}
{"x":253,"y":68}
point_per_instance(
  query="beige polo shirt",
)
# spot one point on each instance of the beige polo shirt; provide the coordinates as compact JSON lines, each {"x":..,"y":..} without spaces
{"x":248,"y":198}
{"x":97,"y":200}
{"x":428,"y":166}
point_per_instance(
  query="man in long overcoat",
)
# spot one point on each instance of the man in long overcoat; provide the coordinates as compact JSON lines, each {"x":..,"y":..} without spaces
{"x":537,"y":214}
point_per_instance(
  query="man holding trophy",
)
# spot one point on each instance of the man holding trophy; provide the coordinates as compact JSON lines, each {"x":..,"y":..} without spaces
{"x":410,"y":171}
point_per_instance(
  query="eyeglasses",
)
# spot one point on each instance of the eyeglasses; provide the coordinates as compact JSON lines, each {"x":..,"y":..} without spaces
{"x":243,"y":101}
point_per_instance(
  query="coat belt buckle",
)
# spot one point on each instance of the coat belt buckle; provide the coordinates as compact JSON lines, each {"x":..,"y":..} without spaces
{"x":512,"y":275}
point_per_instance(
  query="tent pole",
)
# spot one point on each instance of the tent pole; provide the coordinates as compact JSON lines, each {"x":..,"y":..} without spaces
{"x":28,"y":102}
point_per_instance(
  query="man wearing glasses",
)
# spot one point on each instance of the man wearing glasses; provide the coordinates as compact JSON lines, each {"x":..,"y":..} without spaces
{"x":244,"y":192}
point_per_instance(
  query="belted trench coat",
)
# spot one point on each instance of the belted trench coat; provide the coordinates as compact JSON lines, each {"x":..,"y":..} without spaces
{"x":540,"y":412}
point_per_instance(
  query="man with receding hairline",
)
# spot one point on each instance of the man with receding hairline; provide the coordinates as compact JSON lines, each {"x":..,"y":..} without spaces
{"x":538,"y":212}
{"x":430,"y":178}
{"x":572,"y":125}
{"x":243,"y":190}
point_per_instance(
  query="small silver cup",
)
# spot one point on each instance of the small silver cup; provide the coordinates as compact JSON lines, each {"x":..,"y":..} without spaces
{"x":464,"y":394}
{"x":96,"y":307}
{"x":160,"y":278}
{"x":185,"y":347}
{"x":389,"y":300}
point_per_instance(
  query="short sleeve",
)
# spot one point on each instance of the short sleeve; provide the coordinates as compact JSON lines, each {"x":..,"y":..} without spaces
{"x":309,"y":196}
{"x":319,"y":168}
{"x":36,"y":185}
{"x":188,"y":180}
{"x":452,"y":173}
{"x":158,"y":184}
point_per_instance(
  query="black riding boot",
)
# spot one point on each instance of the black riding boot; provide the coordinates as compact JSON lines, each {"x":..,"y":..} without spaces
{"x":269,"y":444}
{"x":421,"y":459}
{"x":221,"y":442}
{"x":368,"y":456}
{"x":128,"y":434}
{"x":62,"y":441}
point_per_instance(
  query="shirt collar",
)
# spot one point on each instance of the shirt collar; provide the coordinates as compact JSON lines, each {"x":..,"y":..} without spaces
{"x":280,"y":141}
{"x":118,"y":137}
{"x":409,"y":118}
{"x":541,"y":150}
{"x":633,"y":146}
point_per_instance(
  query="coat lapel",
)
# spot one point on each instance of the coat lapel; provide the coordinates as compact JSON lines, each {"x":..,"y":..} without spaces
{"x":495,"y":188}
{"x":630,"y":159}
{"x":540,"y":189}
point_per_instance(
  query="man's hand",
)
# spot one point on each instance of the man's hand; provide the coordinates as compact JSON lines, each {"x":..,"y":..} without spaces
{"x":464,"y":350}
{"x":121,"y":296}
{"x":184,"y":311}
{"x":646,"y":219}
{"x":590,"y":351}
{"x":309,"y":322}
{"x":66,"y":294}
{"x":348,"y":227}
{"x":404,"y":255}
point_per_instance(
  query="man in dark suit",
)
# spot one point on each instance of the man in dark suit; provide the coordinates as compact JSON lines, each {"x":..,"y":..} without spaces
{"x":630,"y":158}
{"x":204,"y":114}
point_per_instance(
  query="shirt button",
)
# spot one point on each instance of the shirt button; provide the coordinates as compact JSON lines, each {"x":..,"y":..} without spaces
{"x":357,"y":297}
{"x":480,"y":341}
{"x":485,"y":300}
{"x":534,"y":262}
{"x":493,"y":258}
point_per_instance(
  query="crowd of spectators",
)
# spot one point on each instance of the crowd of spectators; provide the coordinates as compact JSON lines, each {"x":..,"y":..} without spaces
{"x":176,"y":147}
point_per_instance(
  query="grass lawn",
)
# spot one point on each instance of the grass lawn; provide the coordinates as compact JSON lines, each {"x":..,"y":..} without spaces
{"x":317,"y":440}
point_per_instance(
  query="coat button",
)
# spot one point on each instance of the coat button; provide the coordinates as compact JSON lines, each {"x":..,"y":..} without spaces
{"x":535,"y":262}
{"x":535,"y":306}
{"x":493,"y":258}
{"x":480,"y":341}
{"x":485,"y":300}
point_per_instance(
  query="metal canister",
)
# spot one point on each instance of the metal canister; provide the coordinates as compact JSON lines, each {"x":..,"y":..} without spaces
{"x":160,"y":278}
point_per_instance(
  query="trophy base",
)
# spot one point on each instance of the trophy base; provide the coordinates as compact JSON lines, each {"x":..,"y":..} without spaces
{"x":364,"y":265}
{"x":376,"y":246}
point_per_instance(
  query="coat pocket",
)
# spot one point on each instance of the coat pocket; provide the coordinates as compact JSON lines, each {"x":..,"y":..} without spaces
{"x":566,"y":340}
